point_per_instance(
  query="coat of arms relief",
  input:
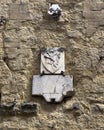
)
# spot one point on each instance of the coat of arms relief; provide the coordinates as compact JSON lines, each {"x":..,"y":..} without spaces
{"x":52,"y":61}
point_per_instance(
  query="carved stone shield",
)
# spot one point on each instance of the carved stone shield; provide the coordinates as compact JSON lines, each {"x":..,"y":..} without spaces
{"x":52,"y":61}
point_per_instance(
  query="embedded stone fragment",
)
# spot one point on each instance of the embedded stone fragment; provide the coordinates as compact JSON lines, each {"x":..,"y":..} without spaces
{"x":52,"y":87}
{"x":100,"y":107}
{"x":74,"y":34}
{"x":3,"y":20}
{"x":55,"y":11}
{"x":28,"y":108}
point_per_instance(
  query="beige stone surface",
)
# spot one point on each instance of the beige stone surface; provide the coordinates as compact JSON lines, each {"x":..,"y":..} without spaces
{"x":81,"y":31}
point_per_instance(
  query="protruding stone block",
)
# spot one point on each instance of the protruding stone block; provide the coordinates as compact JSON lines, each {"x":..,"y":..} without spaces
{"x":28,"y":108}
{"x":52,"y":87}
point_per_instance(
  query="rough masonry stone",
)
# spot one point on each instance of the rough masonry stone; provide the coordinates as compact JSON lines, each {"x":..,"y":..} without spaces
{"x":19,"y":12}
{"x":94,"y":14}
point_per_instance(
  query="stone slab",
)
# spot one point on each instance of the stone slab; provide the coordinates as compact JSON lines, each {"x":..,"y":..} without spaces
{"x":52,"y":87}
{"x":52,"y":61}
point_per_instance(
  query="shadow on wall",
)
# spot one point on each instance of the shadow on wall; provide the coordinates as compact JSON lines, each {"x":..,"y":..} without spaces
{"x":49,"y":107}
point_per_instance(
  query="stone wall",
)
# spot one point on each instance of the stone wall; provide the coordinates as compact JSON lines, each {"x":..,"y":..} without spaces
{"x":26,"y":30}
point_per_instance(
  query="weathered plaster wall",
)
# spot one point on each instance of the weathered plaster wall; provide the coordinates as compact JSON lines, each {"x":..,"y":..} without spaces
{"x":81,"y":31}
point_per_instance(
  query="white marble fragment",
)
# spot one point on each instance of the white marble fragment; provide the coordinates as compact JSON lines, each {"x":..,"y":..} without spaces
{"x":54,"y":8}
{"x":52,"y":87}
